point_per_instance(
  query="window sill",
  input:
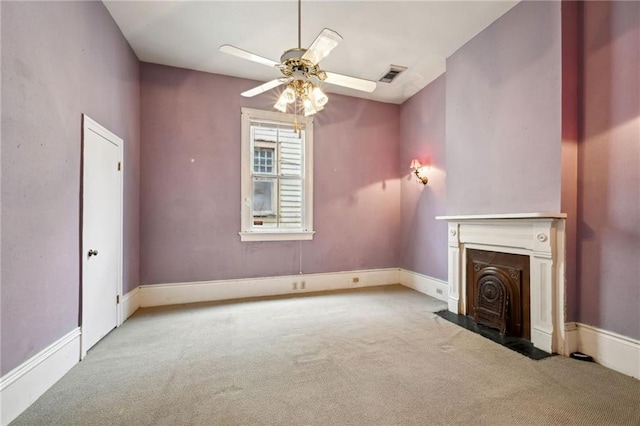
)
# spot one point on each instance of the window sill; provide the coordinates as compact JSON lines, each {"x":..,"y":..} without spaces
{"x":276,"y":236}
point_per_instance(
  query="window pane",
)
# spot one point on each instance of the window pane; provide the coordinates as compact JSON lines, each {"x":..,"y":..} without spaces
{"x":265,"y":202}
{"x":263,"y":160}
{"x":277,"y":202}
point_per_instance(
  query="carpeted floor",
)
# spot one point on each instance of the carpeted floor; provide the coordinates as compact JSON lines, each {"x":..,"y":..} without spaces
{"x":376,"y":356}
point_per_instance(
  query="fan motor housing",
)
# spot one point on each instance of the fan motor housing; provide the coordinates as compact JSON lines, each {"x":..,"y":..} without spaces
{"x":293,"y":65}
{"x":292,"y":53}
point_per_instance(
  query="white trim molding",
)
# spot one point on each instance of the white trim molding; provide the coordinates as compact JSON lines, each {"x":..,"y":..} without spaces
{"x":541,"y":236}
{"x":205,"y":291}
{"x":425,"y":284}
{"x":130,"y":304}
{"x":612,"y":350}
{"x":276,"y":235}
{"x":248,"y":230}
{"x":535,"y":215}
{"x":571,"y":337}
{"x":24,"y":384}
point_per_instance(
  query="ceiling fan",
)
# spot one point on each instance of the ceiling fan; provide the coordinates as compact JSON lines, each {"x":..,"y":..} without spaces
{"x":300,"y":71}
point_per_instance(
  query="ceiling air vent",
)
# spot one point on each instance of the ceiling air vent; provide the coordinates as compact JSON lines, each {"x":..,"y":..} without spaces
{"x":394,"y":71}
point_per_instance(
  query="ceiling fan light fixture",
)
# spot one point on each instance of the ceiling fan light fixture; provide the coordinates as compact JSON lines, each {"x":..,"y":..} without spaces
{"x":289,"y":95}
{"x":281,"y":105}
{"x":300,"y":69}
{"x":308,"y":107}
{"x":319,"y":97}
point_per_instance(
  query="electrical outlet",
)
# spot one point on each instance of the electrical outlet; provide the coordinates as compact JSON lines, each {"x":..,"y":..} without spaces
{"x":356,"y":279}
{"x":295,"y":286}
{"x":303,"y":285}
{"x":439,"y":290}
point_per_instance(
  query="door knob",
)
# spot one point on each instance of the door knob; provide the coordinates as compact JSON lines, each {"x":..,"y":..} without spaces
{"x":93,"y":253}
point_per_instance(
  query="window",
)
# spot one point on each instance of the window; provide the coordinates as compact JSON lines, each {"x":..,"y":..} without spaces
{"x":277,"y":166}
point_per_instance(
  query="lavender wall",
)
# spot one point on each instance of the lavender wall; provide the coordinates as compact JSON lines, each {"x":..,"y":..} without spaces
{"x":609,"y":171}
{"x":569,"y":147}
{"x":190,"y":184}
{"x":423,"y":241}
{"x":503,"y":115}
{"x":506,"y":112}
{"x":59,"y":60}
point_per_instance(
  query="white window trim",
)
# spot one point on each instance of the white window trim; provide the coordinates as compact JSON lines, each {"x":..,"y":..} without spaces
{"x":247,"y":231}
{"x":274,"y":190}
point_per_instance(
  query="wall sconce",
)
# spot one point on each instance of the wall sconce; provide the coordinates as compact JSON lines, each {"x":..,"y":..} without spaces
{"x":420,"y":171}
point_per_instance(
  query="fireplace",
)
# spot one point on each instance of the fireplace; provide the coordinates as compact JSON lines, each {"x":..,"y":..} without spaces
{"x":498,"y":291}
{"x":539,"y":237}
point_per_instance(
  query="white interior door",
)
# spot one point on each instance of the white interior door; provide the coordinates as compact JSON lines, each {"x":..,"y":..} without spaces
{"x":101,"y":232}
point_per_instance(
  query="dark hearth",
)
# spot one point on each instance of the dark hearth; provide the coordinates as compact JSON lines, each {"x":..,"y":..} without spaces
{"x":517,"y":344}
{"x":498,"y":291}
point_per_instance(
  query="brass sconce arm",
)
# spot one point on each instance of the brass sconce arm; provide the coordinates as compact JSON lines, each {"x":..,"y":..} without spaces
{"x":420,"y":171}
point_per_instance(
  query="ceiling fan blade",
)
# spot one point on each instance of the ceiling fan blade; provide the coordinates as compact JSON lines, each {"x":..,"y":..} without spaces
{"x":350,"y":82}
{"x":231,"y":50}
{"x":322,"y":45}
{"x":264,"y":87}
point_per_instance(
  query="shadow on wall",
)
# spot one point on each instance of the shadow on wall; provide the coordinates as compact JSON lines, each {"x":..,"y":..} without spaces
{"x":608,"y":176}
{"x":355,"y":147}
{"x":611,"y":69}
{"x":423,"y":237}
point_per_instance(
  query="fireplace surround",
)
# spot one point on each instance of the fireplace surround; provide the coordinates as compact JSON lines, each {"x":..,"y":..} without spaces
{"x":541,"y":236}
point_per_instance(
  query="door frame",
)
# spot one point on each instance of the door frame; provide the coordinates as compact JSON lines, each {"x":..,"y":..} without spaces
{"x":90,"y":125}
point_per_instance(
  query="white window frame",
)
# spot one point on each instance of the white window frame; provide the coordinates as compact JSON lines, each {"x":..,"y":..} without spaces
{"x":274,"y":190}
{"x":273,"y":147}
{"x":274,"y":201}
{"x":248,"y":232}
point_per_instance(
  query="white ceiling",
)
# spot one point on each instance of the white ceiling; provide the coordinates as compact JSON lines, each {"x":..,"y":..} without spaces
{"x":417,"y":34}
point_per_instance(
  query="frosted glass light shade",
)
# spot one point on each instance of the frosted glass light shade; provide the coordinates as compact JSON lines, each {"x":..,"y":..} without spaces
{"x":281,"y":105}
{"x":320,"y":98}
{"x":308,"y":108}
{"x":289,"y":95}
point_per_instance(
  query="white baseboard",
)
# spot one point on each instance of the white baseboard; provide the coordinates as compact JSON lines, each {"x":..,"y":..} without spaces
{"x":130,"y":303}
{"x":425,"y":284}
{"x":24,"y":384}
{"x":614,"y":351}
{"x":205,"y":291}
{"x":571,"y":338}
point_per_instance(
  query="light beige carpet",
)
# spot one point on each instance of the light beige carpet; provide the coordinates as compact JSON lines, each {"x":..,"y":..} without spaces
{"x":377,"y":356}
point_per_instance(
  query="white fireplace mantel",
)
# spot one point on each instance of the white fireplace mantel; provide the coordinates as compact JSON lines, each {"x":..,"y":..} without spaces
{"x":541,"y":236}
